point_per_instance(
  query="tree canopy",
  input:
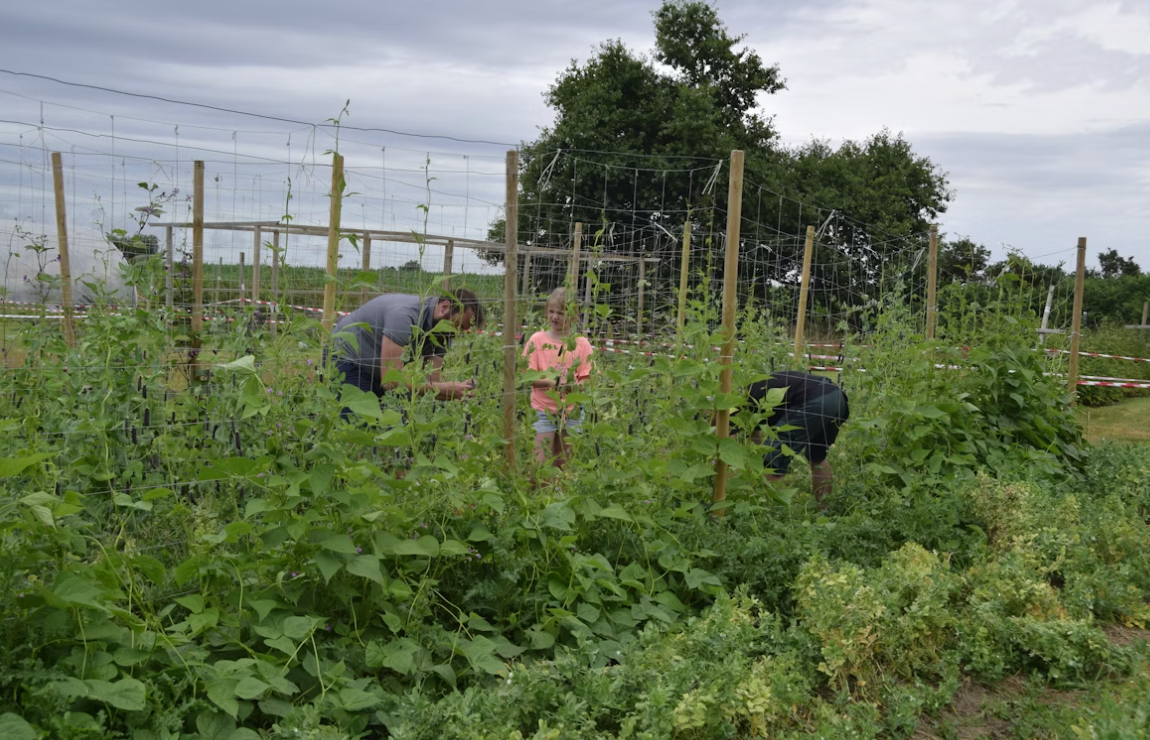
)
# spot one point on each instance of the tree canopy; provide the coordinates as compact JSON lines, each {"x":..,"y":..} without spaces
{"x":639,"y":144}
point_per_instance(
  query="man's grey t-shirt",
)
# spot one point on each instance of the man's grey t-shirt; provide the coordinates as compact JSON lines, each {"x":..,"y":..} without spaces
{"x":395,"y":316}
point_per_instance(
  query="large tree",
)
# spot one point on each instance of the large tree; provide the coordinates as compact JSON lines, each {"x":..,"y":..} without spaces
{"x":640,"y":142}
{"x":1114,"y":265}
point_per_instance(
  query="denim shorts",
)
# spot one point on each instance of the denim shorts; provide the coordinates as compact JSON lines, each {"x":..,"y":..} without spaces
{"x":546,"y":423}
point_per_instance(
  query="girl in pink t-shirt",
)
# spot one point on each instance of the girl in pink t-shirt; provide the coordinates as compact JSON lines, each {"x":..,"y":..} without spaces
{"x":567,"y":362}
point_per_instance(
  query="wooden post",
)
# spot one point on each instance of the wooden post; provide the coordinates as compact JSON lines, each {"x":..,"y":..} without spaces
{"x":800,"y":325}
{"x":62,"y":245}
{"x":510,"y":346}
{"x":274,"y":313}
{"x":220,"y":280}
{"x":448,"y":258}
{"x":197,"y":253}
{"x":256,"y":257}
{"x":573,"y":265}
{"x":642,"y":280}
{"x":730,"y":301}
{"x":1046,"y":316}
{"x":366,"y":265}
{"x":1145,"y":313}
{"x":684,"y":272}
{"x":1076,"y":320}
{"x":169,"y":279}
{"x":586,"y":298}
{"x":932,"y":283}
{"x":525,"y":291}
{"x":333,"y":242}
{"x":242,"y":271}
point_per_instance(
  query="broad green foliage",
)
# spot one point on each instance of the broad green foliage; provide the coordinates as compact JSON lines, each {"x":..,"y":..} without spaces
{"x":228,"y":559}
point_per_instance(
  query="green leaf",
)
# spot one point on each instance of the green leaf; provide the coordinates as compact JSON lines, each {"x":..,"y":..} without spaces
{"x":479,"y":533}
{"x":697,"y":577}
{"x":206,"y":620}
{"x":263,"y":607}
{"x":10,"y":466}
{"x":194,"y":603}
{"x":74,"y":590}
{"x":127,"y":693}
{"x":540,"y":640}
{"x":213,"y":725}
{"x":398,"y":655}
{"x":150,"y":567}
{"x":587,"y":613}
{"x":244,"y":365}
{"x":616,"y":512}
{"x":250,"y":688}
{"x":328,"y":564}
{"x":480,"y":654}
{"x":128,"y":657}
{"x":446,"y":672}
{"x":298,"y":628}
{"x":342,"y":545}
{"x":366,"y":566}
{"x":670,"y":600}
{"x":281,"y":643}
{"x":356,"y":700}
{"x":13,"y":727}
{"x":425,"y":545}
{"x":452,"y":547}
{"x":223,"y":695}
{"x":362,"y":403}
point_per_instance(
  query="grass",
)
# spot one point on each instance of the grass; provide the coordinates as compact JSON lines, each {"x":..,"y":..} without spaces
{"x":1121,"y":422}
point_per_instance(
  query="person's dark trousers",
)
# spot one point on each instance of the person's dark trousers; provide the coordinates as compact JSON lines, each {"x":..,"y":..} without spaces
{"x":359,"y":376}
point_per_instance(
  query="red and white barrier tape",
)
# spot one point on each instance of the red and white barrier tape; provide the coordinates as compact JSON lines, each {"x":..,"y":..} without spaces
{"x":1098,"y":354}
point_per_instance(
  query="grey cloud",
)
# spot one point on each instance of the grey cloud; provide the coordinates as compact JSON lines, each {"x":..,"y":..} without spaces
{"x":1040,"y":193}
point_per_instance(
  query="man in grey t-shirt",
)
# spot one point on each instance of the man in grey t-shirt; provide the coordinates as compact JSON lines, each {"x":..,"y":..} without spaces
{"x":391,"y":330}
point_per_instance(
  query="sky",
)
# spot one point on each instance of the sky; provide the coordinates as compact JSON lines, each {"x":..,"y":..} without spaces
{"x":1039,"y":111}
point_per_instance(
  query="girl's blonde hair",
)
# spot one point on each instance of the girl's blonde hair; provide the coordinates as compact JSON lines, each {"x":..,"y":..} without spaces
{"x":558,"y":297}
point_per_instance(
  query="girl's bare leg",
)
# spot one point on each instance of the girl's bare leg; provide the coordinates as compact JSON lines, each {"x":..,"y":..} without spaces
{"x":544,"y":447}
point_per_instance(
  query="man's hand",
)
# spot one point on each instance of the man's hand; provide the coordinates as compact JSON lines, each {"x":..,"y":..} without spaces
{"x":454,"y":390}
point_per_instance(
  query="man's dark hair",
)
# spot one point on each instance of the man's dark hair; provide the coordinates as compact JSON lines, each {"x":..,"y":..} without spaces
{"x":463,"y":299}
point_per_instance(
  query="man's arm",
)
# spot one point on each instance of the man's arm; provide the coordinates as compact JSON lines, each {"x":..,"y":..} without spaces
{"x":391,"y":358}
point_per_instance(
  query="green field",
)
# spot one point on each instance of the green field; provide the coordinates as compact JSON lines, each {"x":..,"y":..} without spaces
{"x":228,"y":559}
{"x":1127,"y":421}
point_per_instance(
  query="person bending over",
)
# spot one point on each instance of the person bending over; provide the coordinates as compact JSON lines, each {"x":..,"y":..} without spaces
{"x":816,"y":408}
{"x":394,"y":329}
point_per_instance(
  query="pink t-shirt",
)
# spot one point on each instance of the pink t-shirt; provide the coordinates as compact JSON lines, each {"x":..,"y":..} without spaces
{"x":546,"y":354}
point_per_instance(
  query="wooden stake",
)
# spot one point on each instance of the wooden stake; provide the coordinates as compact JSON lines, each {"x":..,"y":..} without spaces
{"x":573,"y":265}
{"x":366,"y":247}
{"x":242,"y":271}
{"x":1145,"y":312}
{"x":220,"y":280}
{"x":587,"y":298}
{"x":684,"y":272}
{"x":448,"y":258}
{"x":642,"y":280}
{"x":62,"y":245}
{"x":800,"y":325}
{"x":197,"y":253}
{"x":730,"y":305}
{"x":274,"y":313}
{"x":525,"y":291}
{"x":169,"y":279}
{"x":932,"y":283}
{"x":257,"y":246}
{"x":510,"y":324}
{"x":333,"y":227}
{"x":1076,"y":320}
